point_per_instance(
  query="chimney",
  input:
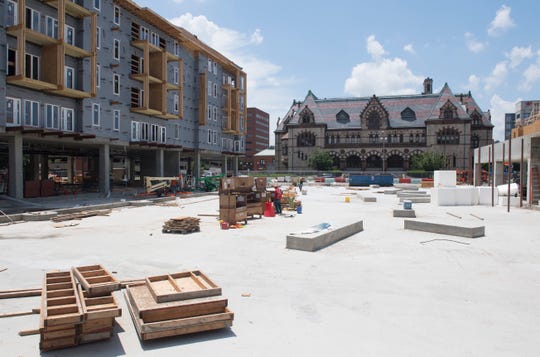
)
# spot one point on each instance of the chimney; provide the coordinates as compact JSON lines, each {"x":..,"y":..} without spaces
{"x":428,"y":86}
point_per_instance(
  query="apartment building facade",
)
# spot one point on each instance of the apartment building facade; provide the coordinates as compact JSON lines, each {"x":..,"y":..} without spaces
{"x":257,"y":137}
{"x":101,"y":92}
{"x":382,"y":133}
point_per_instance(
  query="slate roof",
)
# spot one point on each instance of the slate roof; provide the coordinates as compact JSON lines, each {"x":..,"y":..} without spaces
{"x":425,"y":106}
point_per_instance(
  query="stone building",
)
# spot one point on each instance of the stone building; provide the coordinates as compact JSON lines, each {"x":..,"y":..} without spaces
{"x":382,"y":133}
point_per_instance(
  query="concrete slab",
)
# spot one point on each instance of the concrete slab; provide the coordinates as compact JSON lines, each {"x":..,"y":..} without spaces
{"x":317,"y":240}
{"x":367,"y":198}
{"x":457,"y":228}
{"x":408,"y":213}
{"x":416,"y":199}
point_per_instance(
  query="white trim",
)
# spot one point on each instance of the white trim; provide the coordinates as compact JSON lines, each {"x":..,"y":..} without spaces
{"x":98,"y":75}
{"x":32,"y":118}
{"x":94,"y":112}
{"x":32,"y":66}
{"x":64,"y":118}
{"x":115,"y":18}
{"x":15,"y":12}
{"x":98,"y":3}
{"x":98,"y":37}
{"x":68,"y":69}
{"x":52,"y":116}
{"x":175,"y":103}
{"x":17,"y":113}
{"x":116,"y":84}
{"x":116,"y":49}
{"x":33,"y":26}
{"x":51,"y":32}
{"x":116,"y":120}
{"x":67,"y":30}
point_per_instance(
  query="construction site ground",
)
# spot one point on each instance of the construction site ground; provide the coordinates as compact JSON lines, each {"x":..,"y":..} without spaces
{"x":384,"y":291}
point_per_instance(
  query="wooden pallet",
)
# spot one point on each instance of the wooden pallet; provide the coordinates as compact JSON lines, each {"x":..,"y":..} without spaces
{"x":80,"y":215}
{"x":181,"y":286}
{"x":61,"y":311}
{"x":181,"y":326}
{"x":95,"y":280}
{"x":181,"y":225}
{"x":99,"y":314}
{"x":149,"y":310}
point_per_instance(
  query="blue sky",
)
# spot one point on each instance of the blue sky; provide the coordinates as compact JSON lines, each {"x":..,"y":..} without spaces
{"x":359,"y":48}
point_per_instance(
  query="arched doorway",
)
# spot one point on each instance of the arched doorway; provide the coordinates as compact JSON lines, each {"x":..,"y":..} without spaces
{"x":354,"y":162}
{"x":373,"y":162}
{"x":395,"y":162}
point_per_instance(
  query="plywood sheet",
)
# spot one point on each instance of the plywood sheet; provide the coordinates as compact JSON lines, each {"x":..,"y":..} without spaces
{"x":182,"y":286}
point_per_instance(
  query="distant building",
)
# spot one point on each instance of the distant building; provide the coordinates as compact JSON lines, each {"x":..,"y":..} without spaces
{"x":525,"y":108}
{"x":257,"y":136}
{"x":382,"y":133}
{"x":509,"y":124}
{"x":265,"y":160}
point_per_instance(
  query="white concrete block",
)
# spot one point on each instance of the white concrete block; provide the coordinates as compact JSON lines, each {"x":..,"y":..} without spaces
{"x":446,"y":178}
{"x":443,"y":196}
{"x":484,"y":195}
{"x":514,"y":201}
{"x":503,"y":189}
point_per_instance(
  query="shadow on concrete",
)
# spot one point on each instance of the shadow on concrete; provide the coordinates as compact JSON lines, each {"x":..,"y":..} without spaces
{"x":187,"y":339}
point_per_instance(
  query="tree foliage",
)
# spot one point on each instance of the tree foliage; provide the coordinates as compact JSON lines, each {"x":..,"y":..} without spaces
{"x":428,"y":161}
{"x":320,"y":160}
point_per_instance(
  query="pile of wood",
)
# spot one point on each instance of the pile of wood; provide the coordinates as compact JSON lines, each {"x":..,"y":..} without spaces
{"x":177,"y":304}
{"x":71,"y":313}
{"x":80,"y":215}
{"x":181,"y":225}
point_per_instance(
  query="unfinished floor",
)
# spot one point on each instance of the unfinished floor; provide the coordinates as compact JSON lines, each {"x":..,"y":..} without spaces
{"x":384,"y":291}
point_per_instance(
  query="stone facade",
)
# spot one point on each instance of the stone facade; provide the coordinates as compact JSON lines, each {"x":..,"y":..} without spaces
{"x":382,"y":133}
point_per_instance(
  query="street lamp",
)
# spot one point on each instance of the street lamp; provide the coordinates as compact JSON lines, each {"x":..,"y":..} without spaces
{"x":383,"y":139}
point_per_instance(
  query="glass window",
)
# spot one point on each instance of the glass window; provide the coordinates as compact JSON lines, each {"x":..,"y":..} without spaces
{"x":98,"y":75}
{"x":116,"y":49}
{"x":96,"y":114}
{"x":12,"y":10}
{"x":32,"y":19}
{"x":70,"y":35}
{"x":69,"y":77}
{"x":116,"y":119}
{"x":97,"y":4}
{"x":98,"y":37}
{"x":52,"y":114}
{"x":67,"y":119}
{"x":31,"y":113}
{"x":52,"y":27}
{"x":13,"y":111}
{"x":116,"y":18}
{"x":116,"y":84}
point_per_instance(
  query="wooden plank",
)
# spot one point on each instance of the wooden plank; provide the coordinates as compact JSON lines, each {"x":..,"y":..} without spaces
{"x":150,"y":311}
{"x":90,"y":326}
{"x":182,"y":286}
{"x":53,"y":312}
{"x":34,"y":331}
{"x":59,"y":293}
{"x":228,"y":315}
{"x":57,"y":343}
{"x":20,"y":313}
{"x":9,"y":294}
{"x":97,"y":336}
{"x":99,"y":307}
{"x":51,"y":335}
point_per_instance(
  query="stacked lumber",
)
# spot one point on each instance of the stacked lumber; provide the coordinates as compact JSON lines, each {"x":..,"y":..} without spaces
{"x":72,"y":314}
{"x":181,"y":225}
{"x":177,"y":304}
{"x":60,"y":311}
{"x":80,"y":215}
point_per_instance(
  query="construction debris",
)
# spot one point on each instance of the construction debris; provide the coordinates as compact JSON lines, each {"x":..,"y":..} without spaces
{"x":80,"y":215}
{"x":8,"y":294}
{"x":96,"y":280}
{"x":182,"y":225}
{"x":177,"y":304}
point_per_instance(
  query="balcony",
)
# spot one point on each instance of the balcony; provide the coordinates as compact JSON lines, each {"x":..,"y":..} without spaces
{"x":147,"y":111}
{"x":32,"y":36}
{"x":141,"y":44}
{"x":76,"y":52}
{"x":72,"y":8}
{"x":72,"y":93}
{"x":22,"y":81}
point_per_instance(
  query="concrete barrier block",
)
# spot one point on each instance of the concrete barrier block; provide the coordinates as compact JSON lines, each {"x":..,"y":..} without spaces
{"x":314,"y":241}
{"x":408,"y":213}
{"x":417,"y":199}
{"x":461,"y":229}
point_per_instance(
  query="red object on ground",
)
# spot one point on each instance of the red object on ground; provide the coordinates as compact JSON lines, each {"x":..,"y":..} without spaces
{"x":404,"y":180}
{"x":224,"y":225}
{"x":269,"y":210}
{"x":339,"y":179}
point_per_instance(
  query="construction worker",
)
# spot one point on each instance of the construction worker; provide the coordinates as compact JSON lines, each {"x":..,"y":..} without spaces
{"x":278,"y":195}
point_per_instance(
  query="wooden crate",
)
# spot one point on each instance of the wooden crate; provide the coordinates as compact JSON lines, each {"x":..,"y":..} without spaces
{"x":181,"y":286}
{"x":149,"y":310}
{"x":244,"y":183}
{"x":181,"y":326}
{"x":61,"y":311}
{"x":95,"y":280}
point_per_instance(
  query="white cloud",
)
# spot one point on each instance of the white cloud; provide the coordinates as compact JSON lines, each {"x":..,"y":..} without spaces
{"x":497,"y":76}
{"x":473,"y":83}
{"x":409,"y":48}
{"x":502,"y":21}
{"x":473,"y":44}
{"x":499,"y":107}
{"x":518,"y":55}
{"x":267,"y":90}
{"x":382,"y":76}
{"x":374,"y":48}
{"x":530,"y":76}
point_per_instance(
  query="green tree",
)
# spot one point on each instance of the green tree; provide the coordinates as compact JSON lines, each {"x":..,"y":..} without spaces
{"x":428,"y":161}
{"x":320,"y":160}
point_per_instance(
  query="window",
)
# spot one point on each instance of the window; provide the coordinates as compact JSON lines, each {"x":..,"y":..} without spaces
{"x":116,"y":119}
{"x":135,"y":131}
{"x":67,"y":119}
{"x":154,"y":39}
{"x":475,"y":141}
{"x":342,"y":117}
{"x":209,"y":112}
{"x":241,"y":122}
{"x":448,"y":136}
{"x":12,"y":12}
{"x":175,"y":76}
{"x":476,"y":121}
{"x":176,"y":48}
{"x":98,"y":75}
{"x":209,"y":88}
{"x":98,"y":37}
{"x":143,"y":33}
{"x":32,"y":19}
{"x":177,"y":131}
{"x":69,"y":78}
{"x":215,"y":113}
{"x":13,"y":111}
{"x":214,"y":137}
{"x":154,"y":133}
{"x":96,"y":114}
{"x":11,"y":69}
{"x":70,"y":35}
{"x":209,"y":65}
{"x":116,"y":84}
{"x":32,"y":66}
{"x":116,"y":18}
{"x":215,"y":68}
{"x":51,"y":29}
{"x":214,"y":92}
{"x":144,"y":131}
{"x":175,"y":103}
{"x":373,"y":121}
{"x":408,"y":114}
{"x":162,"y":134}
{"x":31,"y":113}
{"x":307,"y":139}
{"x":116,"y":49}
{"x":97,"y":4}
{"x":242,"y":84}
{"x":52,"y":116}
{"x":209,"y":136}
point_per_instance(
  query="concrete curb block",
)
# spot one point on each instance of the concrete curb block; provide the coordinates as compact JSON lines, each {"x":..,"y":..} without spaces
{"x":416,"y":199}
{"x":39,"y":216}
{"x":316,"y":241}
{"x":470,"y":231}
{"x":409,"y":213}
